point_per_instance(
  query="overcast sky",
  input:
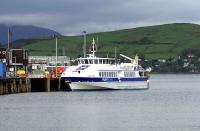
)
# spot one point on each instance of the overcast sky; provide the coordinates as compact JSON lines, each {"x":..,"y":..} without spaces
{"x":71,"y":17}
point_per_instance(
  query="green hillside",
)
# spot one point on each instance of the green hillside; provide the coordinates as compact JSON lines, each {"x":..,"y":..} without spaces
{"x":162,"y":41}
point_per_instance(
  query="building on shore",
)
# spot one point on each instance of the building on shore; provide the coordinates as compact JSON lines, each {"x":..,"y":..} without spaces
{"x":38,"y":65}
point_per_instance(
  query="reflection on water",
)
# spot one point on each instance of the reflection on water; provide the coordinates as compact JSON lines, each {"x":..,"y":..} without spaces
{"x":171,"y":104}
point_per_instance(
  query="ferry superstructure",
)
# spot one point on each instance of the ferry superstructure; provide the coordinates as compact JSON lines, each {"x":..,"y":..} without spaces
{"x":94,"y":73}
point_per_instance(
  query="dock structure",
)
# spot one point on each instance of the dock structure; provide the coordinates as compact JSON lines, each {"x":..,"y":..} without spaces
{"x":20,"y":73}
{"x":14,"y":85}
{"x":23,"y":85}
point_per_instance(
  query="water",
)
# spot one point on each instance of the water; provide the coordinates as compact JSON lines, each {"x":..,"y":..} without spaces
{"x":171,"y":104}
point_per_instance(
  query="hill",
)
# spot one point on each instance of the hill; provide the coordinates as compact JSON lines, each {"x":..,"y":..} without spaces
{"x":153,"y":42}
{"x":24,"y":32}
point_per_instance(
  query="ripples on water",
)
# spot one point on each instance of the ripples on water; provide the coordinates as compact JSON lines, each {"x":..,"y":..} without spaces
{"x":171,"y":104}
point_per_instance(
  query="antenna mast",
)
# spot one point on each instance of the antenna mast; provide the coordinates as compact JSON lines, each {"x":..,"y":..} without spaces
{"x":93,"y":50}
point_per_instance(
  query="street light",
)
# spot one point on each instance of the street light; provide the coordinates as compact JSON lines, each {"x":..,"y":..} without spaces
{"x":15,"y":65}
{"x":56,"y":54}
{"x":84,"y":46}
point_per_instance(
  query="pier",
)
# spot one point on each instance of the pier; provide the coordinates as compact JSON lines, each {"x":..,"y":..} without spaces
{"x":23,"y":85}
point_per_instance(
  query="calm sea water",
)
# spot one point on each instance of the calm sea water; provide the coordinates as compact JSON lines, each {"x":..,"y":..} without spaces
{"x":171,"y":104}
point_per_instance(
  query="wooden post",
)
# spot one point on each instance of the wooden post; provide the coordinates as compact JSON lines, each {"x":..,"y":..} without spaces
{"x":59,"y":83}
{"x":1,"y":88}
{"x":14,"y":85}
{"x":47,"y":84}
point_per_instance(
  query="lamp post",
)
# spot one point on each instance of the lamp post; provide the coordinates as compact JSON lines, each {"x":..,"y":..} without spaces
{"x":84,"y":46}
{"x":15,"y":65}
{"x":56,"y":54}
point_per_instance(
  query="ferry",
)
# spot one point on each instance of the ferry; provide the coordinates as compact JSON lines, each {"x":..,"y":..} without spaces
{"x":94,"y":73}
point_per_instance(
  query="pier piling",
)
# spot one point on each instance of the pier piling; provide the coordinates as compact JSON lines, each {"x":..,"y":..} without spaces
{"x":21,"y":85}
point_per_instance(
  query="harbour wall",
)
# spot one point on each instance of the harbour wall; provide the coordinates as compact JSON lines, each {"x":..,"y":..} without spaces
{"x":23,"y":85}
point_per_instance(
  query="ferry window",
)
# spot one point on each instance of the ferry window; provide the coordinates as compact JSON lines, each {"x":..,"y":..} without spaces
{"x":100,"y":61}
{"x":103,"y":74}
{"x":109,"y":74}
{"x":112,"y":62}
{"x":132,"y":74}
{"x":125,"y":74}
{"x":128,"y":74}
{"x":95,"y":61}
{"x":86,"y":61}
{"x":100,"y":74}
{"x":106,"y":61}
{"x":90,"y":61}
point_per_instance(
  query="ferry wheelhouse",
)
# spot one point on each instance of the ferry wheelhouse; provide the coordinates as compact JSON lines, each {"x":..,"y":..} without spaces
{"x":94,"y":73}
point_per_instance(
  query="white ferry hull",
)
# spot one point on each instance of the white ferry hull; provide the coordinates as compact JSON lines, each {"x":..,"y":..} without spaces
{"x":109,"y":85}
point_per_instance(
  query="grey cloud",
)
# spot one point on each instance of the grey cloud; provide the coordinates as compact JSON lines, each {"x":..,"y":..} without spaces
{"x":73,"y":16}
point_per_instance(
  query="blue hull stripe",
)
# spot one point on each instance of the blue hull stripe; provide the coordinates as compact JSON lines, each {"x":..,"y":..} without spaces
{"x":96,"y":79}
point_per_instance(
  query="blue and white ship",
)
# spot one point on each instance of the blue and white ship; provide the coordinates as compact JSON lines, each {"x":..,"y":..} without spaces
{"x":93,"y":73}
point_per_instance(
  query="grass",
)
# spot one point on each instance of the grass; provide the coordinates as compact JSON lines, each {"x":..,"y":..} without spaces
{"x":165,"y":41}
